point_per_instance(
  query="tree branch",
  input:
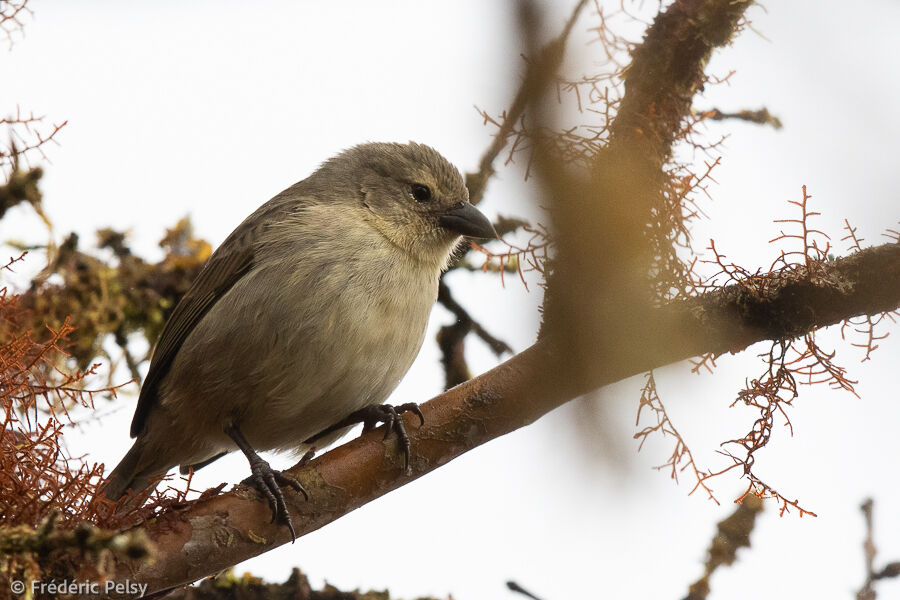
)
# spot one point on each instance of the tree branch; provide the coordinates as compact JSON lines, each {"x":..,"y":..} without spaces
{"x":451,"y":339}
{"x":209,"y":535}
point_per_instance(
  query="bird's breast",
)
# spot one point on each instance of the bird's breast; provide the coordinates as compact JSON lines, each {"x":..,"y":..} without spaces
{"x":313,"y":333}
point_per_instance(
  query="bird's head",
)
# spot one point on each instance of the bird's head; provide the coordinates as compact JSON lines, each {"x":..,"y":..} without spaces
{"x":412,"y":196}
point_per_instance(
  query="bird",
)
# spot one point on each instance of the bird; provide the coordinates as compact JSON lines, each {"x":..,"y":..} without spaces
{"x":303,"y":321}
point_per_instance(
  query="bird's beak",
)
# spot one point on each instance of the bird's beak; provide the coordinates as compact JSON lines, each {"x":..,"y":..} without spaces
{"x":465,"y":219}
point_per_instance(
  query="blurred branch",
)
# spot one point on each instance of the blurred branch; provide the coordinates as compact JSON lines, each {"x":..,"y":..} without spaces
{"x":451,"y":339}
{"x":515,"y":587}
{"x":22,"y":186}
{"x":615,"y":231}
{"x":297,"y":587}
{"x":732,"y":533}
{"x":83,"y":539}
{"x":760,"y":117}
{"x":537,"y":77}
{"x":891,"y":570}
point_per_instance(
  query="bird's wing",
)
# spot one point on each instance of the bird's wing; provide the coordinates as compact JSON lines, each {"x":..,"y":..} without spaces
{"x":231,"y":261}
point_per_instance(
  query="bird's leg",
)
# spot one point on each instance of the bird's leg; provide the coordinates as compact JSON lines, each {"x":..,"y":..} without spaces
{"x":375,"y":414}
{"x":266,"y":480}
{"x":306,"y":458}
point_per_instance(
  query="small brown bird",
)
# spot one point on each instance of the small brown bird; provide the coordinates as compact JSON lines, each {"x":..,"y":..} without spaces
{"x":304,"y":320}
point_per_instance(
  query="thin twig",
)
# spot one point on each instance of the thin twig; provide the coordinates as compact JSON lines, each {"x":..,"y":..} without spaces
{"x":515,"y":587}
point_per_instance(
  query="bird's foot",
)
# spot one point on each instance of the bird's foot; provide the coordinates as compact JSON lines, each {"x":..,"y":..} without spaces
{"x":372,"y":416}
{"x":267,"y":481}
{"x":375,"y":414}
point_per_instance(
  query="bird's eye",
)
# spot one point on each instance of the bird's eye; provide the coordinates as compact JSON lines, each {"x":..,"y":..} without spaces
{"x":422,"y":193}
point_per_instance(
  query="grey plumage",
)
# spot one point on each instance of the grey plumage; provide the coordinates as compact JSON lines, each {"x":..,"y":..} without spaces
{"x":313,"y":308}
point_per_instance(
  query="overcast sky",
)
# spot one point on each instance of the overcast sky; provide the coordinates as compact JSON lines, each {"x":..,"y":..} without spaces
{"x":208,"y":109}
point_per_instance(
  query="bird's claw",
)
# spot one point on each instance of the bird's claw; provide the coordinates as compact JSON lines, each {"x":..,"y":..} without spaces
{"x":267,"y":481}
{"x":388,"y":414}
{"x":375,"y":414}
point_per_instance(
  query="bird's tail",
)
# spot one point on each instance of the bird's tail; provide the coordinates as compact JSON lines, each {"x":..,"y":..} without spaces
{"x":132,"y":477}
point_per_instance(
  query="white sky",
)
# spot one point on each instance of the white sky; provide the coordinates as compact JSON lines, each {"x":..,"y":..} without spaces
{"x":210,"y":108}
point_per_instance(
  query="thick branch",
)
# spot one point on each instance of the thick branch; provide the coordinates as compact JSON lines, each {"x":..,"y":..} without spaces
{"x":209,"y":535}
{"x":613,"y":233}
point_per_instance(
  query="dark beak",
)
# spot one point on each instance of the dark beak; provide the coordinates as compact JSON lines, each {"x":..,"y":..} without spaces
{"x":467,"y":220}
